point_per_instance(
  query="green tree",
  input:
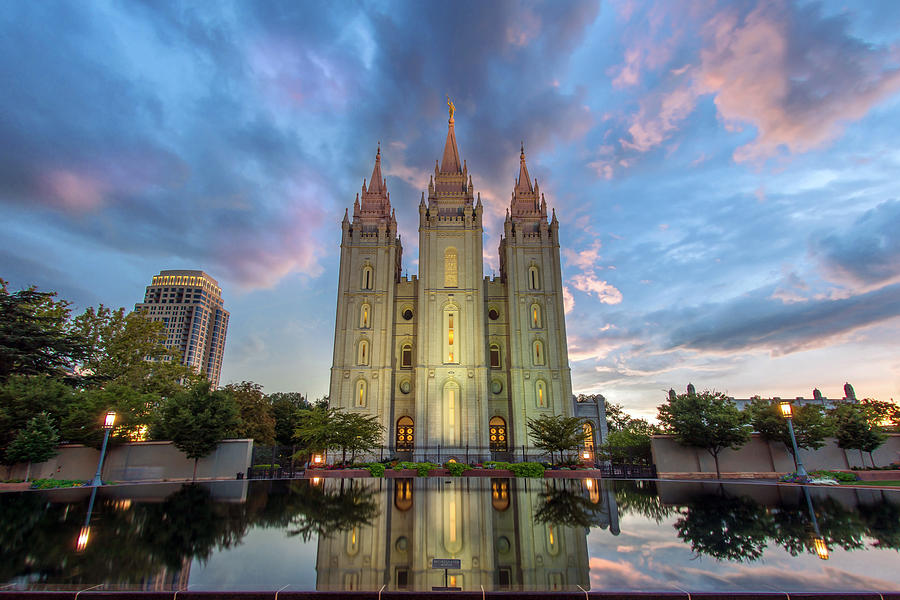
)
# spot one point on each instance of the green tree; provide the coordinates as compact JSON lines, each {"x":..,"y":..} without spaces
{"x":556,"y":434}
{"x":34,"y":336}
{"x":255,"y":412}
{"x":708,"y":420}
{"x":34,"y":444}
{"x":616,"y":417}
{"x":325,"y":513}
{"x":130,"y":349}
{"x":811,"y":426}
{"x":356,"y":433}
{"x":315,"y":432}
{"x":566,"y":505}
{"x":196,"y":420}
{"x":24,"y":397}
{"x":286,"y":407}
{"x":882,"y":413}
{"x":855,"y":430}
{"x":629,"y":444}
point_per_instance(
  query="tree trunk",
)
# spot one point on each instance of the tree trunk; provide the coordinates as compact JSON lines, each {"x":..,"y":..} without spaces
{"x":872,"y":458}
{"x":716,"y":459}
{"x":196,"y":460}
{"x":28,"y":472}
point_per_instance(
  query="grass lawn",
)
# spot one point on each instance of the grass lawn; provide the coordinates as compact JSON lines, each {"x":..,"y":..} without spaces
{"x":888,"y":483}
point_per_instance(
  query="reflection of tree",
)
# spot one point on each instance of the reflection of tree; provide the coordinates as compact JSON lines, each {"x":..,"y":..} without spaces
{"x":189,"y":524}
{"x":882,"y":522}
{"x":315,"y":511}
{"x":563,"y":506}
{"x":641,"y":497}
{"x":724,"y":527}
{"x":24,"y":536}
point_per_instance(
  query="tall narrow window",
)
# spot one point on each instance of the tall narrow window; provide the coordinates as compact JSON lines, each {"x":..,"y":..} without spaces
{"x":451,"y":271}
{"x":364,"y":316}
{"x":588,"y":436}
{"x":368,"y":277}
{"x":538,"y":351}
{"x":361,"y":392}
{"x":451,"y":335}
{"x":497,"y":429}
{"x":535,"y":316}
{"x":406,"y":356}
{"x":540,"y":393}
{"x":362,"y":356}
{"x":534,"y":280}
{"x":495,"y":356}
{"x":452,"y":402}
{"x":405,"y":434}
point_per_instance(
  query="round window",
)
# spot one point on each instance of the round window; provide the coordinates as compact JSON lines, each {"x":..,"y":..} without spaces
{"x":407,"y":314}
{"x":404,"y":386}
{"x":496,"y":386}
{"x":493,"y":314}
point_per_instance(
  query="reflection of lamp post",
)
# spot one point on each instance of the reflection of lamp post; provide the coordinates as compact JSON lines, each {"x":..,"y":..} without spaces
{"x":85,"y":533}
{"x":787,"y":413}
{"x":108,"y":424}
{"x":818,"y":541}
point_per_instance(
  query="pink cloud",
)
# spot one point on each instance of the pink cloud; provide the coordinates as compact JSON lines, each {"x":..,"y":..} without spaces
{"x":618,"y":574}
{"x":74,"y":191}
{"x":568,"y":300}
{"x":588,"y":283}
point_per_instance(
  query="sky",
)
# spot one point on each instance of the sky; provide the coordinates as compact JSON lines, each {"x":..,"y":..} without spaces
{"x":724,"y":173}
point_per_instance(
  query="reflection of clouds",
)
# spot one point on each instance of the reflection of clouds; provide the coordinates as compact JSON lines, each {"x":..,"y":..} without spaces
{"x":648,"y":556}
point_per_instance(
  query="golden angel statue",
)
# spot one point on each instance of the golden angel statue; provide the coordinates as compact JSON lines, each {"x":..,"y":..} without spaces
{"x":451,"y":106}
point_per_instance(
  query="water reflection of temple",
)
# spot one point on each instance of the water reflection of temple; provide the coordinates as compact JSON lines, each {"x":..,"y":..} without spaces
{"x":493,"y":526}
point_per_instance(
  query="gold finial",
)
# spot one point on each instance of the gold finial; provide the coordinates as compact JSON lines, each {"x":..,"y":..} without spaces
{"x":451,"y":106}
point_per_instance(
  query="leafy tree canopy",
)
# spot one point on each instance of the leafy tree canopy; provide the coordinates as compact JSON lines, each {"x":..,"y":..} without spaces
{"x":286,"y":407}
{"x":855,"y":429}
{"x":255,"y":412}
{"x":556,"y":434}
{"x":34,"y":444}
{"x":34,"y":338}
{"x":811,"y":426}
{"x":708,"y":420}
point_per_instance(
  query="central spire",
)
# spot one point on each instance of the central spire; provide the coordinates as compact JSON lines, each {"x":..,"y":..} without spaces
{"x":450,"y":161}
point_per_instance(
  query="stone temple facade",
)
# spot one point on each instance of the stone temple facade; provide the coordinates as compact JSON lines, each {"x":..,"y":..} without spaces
{"x":451,"y":360}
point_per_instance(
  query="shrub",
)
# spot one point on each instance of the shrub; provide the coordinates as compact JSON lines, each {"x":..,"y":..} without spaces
{"x":48,"y":484}
{"x":456,"y":469}
{"x":422,"y":468}
{"x":375,"y":469}
{"x":267,"y":466}
{"x":836,"y":475}
{"x":527,"y":469}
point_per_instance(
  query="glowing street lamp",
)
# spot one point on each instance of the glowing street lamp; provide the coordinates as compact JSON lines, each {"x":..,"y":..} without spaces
{"x":818,"y":541}
{"x":821,"y":548}
{"x":108,"y":422}
{"x":787,"y":412}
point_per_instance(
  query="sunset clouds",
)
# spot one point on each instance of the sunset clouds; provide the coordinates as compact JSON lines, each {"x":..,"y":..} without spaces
{"x":724,"y":173}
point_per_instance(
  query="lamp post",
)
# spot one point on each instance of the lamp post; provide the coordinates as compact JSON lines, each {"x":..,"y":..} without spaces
{"x":85,"y":533}
{"x":108,"y":424}
{"x":818,"y":541}
{"x":787,"y":413}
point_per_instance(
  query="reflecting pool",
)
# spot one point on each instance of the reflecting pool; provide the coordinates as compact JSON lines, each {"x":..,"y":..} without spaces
{"x":514,"y":534}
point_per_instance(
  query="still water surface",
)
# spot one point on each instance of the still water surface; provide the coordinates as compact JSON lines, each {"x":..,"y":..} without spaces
{"x":508,"y":534}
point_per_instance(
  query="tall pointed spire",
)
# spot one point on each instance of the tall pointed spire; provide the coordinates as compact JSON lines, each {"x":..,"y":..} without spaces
{"x":377,"y":180}
{"x":450,"y":160}
{"x":523,"y":183}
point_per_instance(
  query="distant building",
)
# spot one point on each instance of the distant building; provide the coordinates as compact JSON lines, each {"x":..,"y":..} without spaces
{"x":190,"y":305}
{"x":818,"y":398}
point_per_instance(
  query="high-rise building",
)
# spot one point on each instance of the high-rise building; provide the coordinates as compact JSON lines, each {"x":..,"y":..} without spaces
{"x":451,"y":358}
{"x":189,"y":303}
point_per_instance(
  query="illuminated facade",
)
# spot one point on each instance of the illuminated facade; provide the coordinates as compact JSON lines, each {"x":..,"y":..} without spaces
{"x":189,"y":303}
{"x":451,"y":358}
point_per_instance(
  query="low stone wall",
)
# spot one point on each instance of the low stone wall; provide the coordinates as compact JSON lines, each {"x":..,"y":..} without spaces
{"x":142,"y":461}
{"x":761,"y":458}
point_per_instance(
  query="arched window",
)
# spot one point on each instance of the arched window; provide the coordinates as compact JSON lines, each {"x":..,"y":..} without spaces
{"x":495,"y":356}
{"x":540,"y":393}
{"x":364,"y":316}
{"x":451,"y":269}
{"x":362,"y":354}
{"x":403,"y":491}
{"x":368,"y":277}
{"x":499,"y":442}
{"x":500,"y":494}
{"x":538,"y":353}
{"x":405,"y":434}
{"x":451,"y":335}
{"x":536,"y":316}
{"x":406,"y":356}
{"x":361,"y":392}
{"x":588,"y":436}
{"x":534,"y":278}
